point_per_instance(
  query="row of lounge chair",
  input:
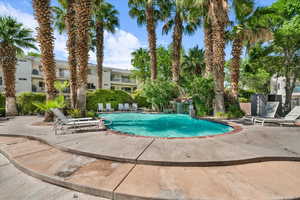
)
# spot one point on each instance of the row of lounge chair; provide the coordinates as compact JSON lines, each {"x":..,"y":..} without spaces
{"x":270,"y":115}
{"x":65,"y":124}
{"x":121,"y":107}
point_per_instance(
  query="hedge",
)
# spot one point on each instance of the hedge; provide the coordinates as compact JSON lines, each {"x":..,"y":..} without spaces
{"x":114,"y":97}
{"x":2,"y":105}
{"x":25,"y":100}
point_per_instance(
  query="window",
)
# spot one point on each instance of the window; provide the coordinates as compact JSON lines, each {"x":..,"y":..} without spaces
{"x":35,"y":72}
{"x":126,"y":89}
{"x":278,"y":86}
{"x":34,"y":88}
{"x":113,"y":88}
{"x":1,"y":81}
{"x":41,"y":84}
{"x":125,"y":79}
{"x":22,"y":79}
{"x":64,"y":73}
{"x":91,"y":86}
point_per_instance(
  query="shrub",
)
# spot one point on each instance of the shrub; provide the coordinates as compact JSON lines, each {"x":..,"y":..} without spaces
{"x":25,"y":102}
{"x":202,"y":91}
{"x":107,"y":96}
{"x":2,"y":112}
{"x":232,"y":106}
{"x":245,"y":95}
{"x":159,"y":93}
{"x":2,"y":101}
{"x":74,"y":113}
{"x":140,"y":99}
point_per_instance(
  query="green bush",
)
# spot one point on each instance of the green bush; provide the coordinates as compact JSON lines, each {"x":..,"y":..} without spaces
{"x":202,"y":91}
{"x":232,"y":106}
{"x":107,"y":96}
{"x":159,"y":93}
{"x":140,"y":99}
{"x":245,"y":95}
{"x":2,"y":101}
{"x":2,"y":112}
{"x":25,"y":102}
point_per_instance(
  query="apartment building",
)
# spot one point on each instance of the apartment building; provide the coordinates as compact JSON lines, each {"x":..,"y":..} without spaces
{"x":278,"y":87}
{"x":29,"y":77}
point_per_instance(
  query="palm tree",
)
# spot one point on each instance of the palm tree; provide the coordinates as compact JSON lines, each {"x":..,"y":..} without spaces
{"x":104,"y":19}
{"x":13,"y":37}
{"x":141,"y":63}
{"x":65,"y":21}
{"x":147,"y":13}
{"x":83,"y":11}
{"x":182,"y":19}
{"x":45,"y":37}
{"x":248,"y":31}
{"x":194,"y":62}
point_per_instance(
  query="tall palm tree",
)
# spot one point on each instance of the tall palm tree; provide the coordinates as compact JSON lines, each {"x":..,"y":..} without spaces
{"x":182,"y":19}
{"x":105,"y":18}
{"x":219,"y":14}
{"x":45,"y":37}
{"x":13,"y":37}
{"x":246,"y":31}
{"x":83,"y":11}
{"x":65,"y":21}
{"x":147,"y":13}
{"x":194,"y":62}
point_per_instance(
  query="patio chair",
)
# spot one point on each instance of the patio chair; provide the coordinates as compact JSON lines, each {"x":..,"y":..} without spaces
{"x":135,"y":107}
{"x":108,"y":108}
{"x":126,"y":107}
{"x":100,"y":107}
{"x":120,"y":107}
{"x":64,"y":123}
{"x":290,"y":118}
{"x":270,"y":112}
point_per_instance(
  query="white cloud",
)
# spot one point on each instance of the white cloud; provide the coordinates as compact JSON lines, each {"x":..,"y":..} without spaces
{"x":118,"y":46}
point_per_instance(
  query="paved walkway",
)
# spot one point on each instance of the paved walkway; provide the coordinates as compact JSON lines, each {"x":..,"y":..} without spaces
{"x":15,"y":185}
{"x":122,"y":181}
{"x":252,"y":144}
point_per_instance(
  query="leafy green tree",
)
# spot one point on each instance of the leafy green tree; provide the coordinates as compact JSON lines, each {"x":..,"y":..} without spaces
{"x":105,"y":18}
{"x":13,"y":39}
{"x":159,"y":93}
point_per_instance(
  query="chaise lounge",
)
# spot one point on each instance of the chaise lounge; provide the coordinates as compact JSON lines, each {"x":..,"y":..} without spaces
{"x":290,"y":118}
{"x":64,"y":123}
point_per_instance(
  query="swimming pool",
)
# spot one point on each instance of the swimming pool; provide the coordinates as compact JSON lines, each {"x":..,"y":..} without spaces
{"x":164,"y":125}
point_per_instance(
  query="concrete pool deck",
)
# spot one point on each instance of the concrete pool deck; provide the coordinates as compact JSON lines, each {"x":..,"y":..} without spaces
{"x":192,"y":170}
{"x":252,"y":144}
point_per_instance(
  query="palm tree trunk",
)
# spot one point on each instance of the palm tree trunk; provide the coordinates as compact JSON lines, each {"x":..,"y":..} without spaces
{"x":83,"y":15}
{"x":100,"y":48}
{"x":8,"y":62}
{"x":237,"y":49}
{"x":151,"y":39}
{"x":71,"y":45}
{"x":46,"y":41}
{"x":177,"y":40}
{"x":209,"y":54}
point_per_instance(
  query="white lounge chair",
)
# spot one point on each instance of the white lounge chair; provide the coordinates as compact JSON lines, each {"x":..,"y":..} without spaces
{"x":270,"y":112}
{"x":120,"y":107}
{"x":108,"y":108}
{"x":290,"y":118}
{"x":64,"y":123}
{"x":135,"y":107}
{"x":100,"y":107}
{"x":126,"y":107}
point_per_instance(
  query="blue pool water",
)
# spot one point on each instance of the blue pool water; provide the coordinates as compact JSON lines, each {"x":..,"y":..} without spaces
{"x":164,"y":125}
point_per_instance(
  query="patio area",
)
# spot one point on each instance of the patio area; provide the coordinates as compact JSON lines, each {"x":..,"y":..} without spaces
{"x":122,"y":167}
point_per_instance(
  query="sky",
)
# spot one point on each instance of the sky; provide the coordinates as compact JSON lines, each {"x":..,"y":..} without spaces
{"x":118,"y":46}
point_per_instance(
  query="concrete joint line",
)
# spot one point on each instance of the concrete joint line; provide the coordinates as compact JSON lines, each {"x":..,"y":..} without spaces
{"x":114,"y":190}
{"x":57,"y":143}
{"x":136,"y":160}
